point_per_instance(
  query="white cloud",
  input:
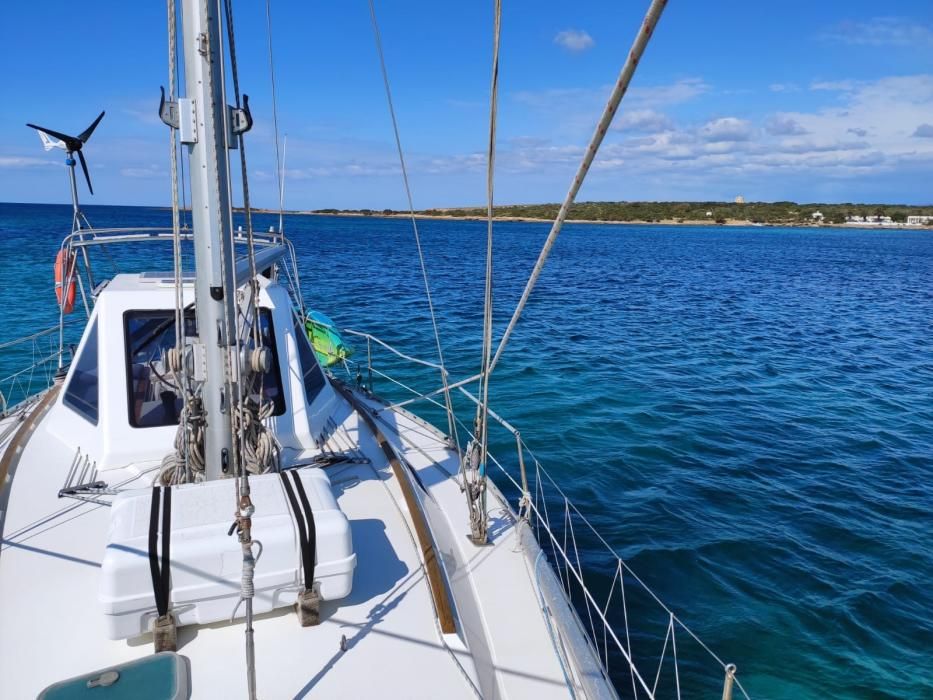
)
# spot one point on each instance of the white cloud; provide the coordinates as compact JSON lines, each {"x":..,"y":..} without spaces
{"x":809,"y":146}
{"x":16,"y":162}
{"x":834,"y":85}
{"x":589,"y":101}
{"x":881,"y":31}
{"x":642,"y":120}
{"x":575,"y":40}
{"x":783,"y":87}
{"x":780,"y":125}
{"x":678,"y":92}
{"x":145,"y":172}
{"x":868,"y":130}
{"x":143,"y":112}
{"x":872,"y":130}
{"x":338,"y":169}
{"x":727,"y":129}
{"x":522,"y":141}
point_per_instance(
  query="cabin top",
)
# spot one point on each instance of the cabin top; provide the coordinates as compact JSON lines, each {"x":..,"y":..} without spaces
{"x":119,"y":404}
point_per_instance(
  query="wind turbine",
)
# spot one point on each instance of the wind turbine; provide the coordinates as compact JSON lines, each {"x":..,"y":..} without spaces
{"x":71,"y":145}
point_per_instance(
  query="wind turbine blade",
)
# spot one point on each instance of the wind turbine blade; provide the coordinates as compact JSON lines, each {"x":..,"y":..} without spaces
{"x":86,"y":134}
{"x":57,"y":134}
{"x":84,"y":168}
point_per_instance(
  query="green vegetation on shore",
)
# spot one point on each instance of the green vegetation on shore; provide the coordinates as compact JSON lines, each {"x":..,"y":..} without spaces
{"x":785,"y":213}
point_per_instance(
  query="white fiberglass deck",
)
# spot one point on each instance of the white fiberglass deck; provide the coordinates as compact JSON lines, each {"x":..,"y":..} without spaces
{"x":382,"y":641}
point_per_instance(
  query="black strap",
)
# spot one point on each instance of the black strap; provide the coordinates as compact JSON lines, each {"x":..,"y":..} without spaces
{"x":160,"y":574}
{"x":307,"y":535}
{"x":312,"y":530}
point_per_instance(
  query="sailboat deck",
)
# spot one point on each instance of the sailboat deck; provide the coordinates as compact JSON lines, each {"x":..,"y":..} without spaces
{"x":382,"y":640}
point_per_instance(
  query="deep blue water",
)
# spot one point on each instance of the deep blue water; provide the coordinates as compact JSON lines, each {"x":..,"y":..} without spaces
{"x":744,"y":414}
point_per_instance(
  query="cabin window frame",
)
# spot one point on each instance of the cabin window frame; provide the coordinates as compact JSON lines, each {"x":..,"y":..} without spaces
{"x":319,"y":381}
{"x":275,"y":370}
{"x":89,"y":410}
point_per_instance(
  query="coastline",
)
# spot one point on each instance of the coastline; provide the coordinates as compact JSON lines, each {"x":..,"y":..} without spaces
{"x":663,"y":222}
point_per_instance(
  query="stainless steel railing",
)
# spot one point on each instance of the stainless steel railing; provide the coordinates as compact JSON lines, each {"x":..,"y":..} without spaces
{"x":611,"y":616}
{"x":31,"y":363}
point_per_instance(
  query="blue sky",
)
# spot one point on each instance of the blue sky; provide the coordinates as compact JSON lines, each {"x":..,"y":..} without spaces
{"x":808,"y":101}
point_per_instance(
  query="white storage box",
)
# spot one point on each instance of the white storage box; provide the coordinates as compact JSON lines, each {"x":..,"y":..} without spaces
{"x":206,"y":562}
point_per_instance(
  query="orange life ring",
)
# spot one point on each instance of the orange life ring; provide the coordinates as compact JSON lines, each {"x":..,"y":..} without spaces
{"x":63,"y":272}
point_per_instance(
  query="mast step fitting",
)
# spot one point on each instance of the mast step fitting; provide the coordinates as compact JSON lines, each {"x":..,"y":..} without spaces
{"x":165,"y":633}
{"x":308,"y":607}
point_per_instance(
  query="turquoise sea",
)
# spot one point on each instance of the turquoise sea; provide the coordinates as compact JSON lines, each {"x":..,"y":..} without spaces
{"x":745,"y":414}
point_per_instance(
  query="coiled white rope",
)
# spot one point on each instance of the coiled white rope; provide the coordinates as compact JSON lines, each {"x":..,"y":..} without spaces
{"x":186,"y":463}
{"x":260,"y":450}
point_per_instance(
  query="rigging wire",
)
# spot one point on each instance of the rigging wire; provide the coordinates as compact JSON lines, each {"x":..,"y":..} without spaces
{"x":229,"y":324}
{"x":241,"y":143}
{"x":177,"y":362}
{"x":618,"y":92}
{"x":245,"y":420}
{"x":452,"y":427}
{"x":181,"y":161}
{"x":279,"y":154}
{"x":478,"y":498}
{"x":282,"y":185}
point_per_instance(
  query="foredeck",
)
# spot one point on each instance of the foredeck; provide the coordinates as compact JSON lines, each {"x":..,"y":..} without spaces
{"x":383,"y":640}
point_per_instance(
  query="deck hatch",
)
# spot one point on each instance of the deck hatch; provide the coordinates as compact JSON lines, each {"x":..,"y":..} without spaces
{"x":163,"y":676}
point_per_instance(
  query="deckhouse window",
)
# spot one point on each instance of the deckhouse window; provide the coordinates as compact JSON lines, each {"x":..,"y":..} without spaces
{"x":83,"y":392}
{"x":311,"y":374}
{"x":154,"y":400}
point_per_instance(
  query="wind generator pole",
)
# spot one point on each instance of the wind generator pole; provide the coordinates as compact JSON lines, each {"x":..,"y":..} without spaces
{"x":70,"y":162}
{"x":76,"y":221}
{"x":203,"y":126}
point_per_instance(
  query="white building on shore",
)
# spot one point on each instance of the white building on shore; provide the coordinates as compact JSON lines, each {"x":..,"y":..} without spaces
{"x":870,"y":220}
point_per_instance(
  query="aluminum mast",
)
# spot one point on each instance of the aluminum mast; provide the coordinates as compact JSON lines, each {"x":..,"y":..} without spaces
{"x":202,"y":125}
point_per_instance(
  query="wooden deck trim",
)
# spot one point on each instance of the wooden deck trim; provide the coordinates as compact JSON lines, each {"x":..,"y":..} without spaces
{"x":436,"y":577}
{"x":14,"y":450}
